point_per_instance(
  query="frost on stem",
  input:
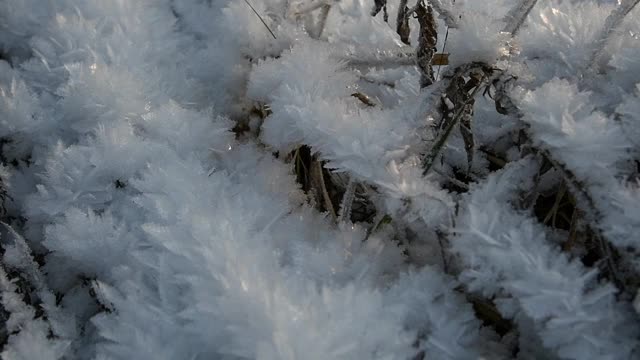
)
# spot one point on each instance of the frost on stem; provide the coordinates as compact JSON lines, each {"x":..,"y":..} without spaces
{"x":445,"y":13}
{"x":347,"y":201}
{"x":17,"y":256}
{"x":614,"y":20}
{"x":427,"y":41}
{"x":518,"y":14}
{"x":456,"y":108}
{"x":362,"y":56}
{"x":508,"y":254}
{"x":261,"y":19}
{"x":322,"y":20}
{"x":564,"y":151}
{"x":27,"y":335}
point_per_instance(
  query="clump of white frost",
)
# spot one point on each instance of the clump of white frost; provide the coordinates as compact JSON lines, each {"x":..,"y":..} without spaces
{"x":478,"y":35}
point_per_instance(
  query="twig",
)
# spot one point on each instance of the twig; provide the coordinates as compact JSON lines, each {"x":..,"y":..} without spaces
{"x":427,"y":41}
{"x":556,"y":205}
{"x":441,"y":239}
{"x":444,"y":48}
{"x":260,"y":17}
{"x":450,"y":21}
{"x":364,"y":99}
{"x":429,"y":159}
{"x":454,"y":181}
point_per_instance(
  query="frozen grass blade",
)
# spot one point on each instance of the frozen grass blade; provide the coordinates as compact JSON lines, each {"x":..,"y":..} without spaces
{"x":322,"y":20}
{"x":347,"y":201}
{"x":405,"y":56}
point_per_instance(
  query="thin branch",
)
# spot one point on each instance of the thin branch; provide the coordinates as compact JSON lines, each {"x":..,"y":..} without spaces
{"x":451,"y":22}
{"x":260,"y":17}
{"x":364,"y":99}
{"x":452,"y":180}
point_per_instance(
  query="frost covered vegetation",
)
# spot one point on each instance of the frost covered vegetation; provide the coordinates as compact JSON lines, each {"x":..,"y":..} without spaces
{"x":318,"y":179}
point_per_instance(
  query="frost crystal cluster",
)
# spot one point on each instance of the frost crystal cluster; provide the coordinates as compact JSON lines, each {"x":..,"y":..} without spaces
{"x":319,"y":179}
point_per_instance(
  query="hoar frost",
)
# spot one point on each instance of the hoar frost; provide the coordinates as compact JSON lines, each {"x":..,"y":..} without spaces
{"x":246,"y":180}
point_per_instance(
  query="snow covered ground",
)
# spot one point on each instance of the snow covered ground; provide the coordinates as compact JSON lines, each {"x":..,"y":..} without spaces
{"x":157,"y":202}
